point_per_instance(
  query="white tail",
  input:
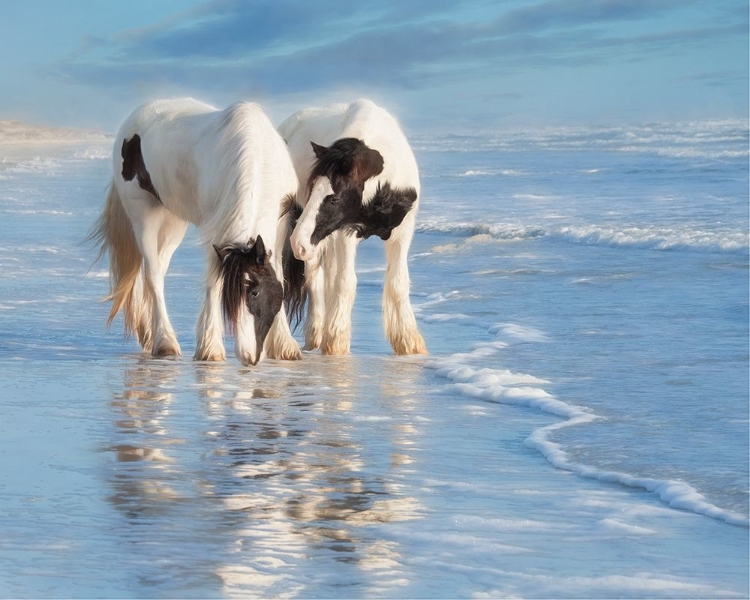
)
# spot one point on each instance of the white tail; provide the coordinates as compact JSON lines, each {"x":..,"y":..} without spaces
{"x":114,"y":235}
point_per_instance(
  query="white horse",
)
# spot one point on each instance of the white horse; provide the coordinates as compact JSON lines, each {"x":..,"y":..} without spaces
{"x":357,"y":177}
{"x":226,"y":171}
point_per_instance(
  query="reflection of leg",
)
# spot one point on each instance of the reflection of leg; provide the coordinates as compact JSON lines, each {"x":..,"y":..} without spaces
{"x":315,"y":282}
{"x":210,"y":330}
{"x":398,"y":316}
{"x":158,"y":233}
{"x":280,"y":344}
{"x":341,"y":289}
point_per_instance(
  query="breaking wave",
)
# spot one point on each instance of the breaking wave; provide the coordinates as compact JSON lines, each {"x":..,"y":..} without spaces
{"x":507,"y":387}
{"x":658,"y":238}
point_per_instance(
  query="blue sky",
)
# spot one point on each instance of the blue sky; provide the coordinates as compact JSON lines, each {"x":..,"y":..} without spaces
{"x":438,"y":64}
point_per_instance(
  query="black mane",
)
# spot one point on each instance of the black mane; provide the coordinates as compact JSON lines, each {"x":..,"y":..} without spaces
{"x":295,"y":291}
{"x":384,"y":212}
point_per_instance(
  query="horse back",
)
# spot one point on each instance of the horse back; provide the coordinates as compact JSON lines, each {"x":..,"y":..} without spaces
{"x":196,"y":159}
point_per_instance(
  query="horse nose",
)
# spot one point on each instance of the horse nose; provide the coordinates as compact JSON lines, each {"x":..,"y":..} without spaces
{"x":249,"y":360}
{"x":301,"y":251}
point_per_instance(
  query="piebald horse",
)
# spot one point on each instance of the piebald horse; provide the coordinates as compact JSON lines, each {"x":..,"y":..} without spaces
{"x":227,"y":172}
{"x":357,"y":178}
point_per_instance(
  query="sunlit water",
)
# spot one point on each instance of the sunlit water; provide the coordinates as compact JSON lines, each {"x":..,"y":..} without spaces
{"x":584,"y":295}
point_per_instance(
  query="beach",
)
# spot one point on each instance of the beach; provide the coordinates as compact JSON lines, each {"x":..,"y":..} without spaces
{"x":579,"y":428}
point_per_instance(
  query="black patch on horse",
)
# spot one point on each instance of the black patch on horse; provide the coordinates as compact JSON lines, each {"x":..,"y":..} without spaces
{"x":337,"y":211}
{"x":133,"y":165}
{"x":347,"y":163}
{"x":248,"y":280}
{"x":384,"y":212}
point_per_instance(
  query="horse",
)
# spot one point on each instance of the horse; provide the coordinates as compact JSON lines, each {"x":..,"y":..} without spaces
{"x":229,"y":173}
{"x":357,"y":178}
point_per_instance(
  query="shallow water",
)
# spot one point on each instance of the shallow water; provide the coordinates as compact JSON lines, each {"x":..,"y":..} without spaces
{"x":597,"y":325}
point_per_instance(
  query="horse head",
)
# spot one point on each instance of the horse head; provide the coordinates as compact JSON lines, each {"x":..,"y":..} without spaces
{"x":251,"y":296}
{"x":334,"y":189}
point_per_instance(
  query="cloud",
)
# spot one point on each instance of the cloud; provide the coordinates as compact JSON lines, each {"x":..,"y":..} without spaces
{"x":719,"y":78}
{"x":288,"y":48}
{"x":567,"y":13}
{"x":234,"y":29}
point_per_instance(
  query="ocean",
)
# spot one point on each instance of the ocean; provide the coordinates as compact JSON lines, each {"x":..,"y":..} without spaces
{"x":579,"y":429}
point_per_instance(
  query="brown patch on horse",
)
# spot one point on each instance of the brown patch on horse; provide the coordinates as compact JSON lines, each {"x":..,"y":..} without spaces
{"x":133,"y":165}
{"x":348,"y":162}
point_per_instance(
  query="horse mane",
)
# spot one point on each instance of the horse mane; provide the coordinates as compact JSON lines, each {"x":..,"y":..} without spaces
{"x":295,"y":290}
{"x":236,"y":261}
{"x":384,"y":212}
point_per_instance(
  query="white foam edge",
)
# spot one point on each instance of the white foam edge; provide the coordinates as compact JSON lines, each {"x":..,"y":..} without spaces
{"x":505,"y":387}
{"x":676,"y":494}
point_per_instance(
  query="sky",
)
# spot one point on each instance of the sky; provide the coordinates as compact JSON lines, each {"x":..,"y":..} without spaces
{"x":439,"y":65}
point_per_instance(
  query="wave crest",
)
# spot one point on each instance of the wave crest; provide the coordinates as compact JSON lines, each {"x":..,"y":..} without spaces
{"x":657,"y":238}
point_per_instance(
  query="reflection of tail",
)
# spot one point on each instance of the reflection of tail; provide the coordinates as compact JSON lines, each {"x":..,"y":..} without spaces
{"x":295,"y":293}
{"x":114,"y":235}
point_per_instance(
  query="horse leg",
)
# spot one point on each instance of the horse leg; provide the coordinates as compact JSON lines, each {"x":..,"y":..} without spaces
{"x":158,"y":233}
{"x":280,"y":344}
{"x":398,"y":316}
{"x":341,"y":288}
{"x":171,"y":234}
{"x":210,"y":330}
{"x":315,"y":276}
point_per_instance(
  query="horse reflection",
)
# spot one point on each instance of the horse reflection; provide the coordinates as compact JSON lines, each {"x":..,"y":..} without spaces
{"x":142,"y":475}
{"x":276,"y":466}
{"x":304,"y":473}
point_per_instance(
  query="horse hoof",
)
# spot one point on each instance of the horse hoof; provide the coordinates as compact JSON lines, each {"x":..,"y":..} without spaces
{"x":405,"y":347}
{"x":164,"y":351}
{"x":294,"y":354}
{"x":213,"y":357}
{"x":313,"y":341}
{"x":335,"y":348}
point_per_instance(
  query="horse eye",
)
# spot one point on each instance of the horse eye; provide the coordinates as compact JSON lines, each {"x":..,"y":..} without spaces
{"x":332,"y":199}
{"x":254,"y":294}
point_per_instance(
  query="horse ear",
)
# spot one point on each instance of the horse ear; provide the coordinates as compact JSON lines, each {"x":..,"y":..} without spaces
{"x":221,"y":252}
{"x":260,"y":251}
{"x":368,"y":164}
{"x":318,"y":149}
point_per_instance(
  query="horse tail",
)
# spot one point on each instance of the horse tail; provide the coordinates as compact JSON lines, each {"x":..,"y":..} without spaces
{"x":113,"y":233}
{"x":295,"y":291}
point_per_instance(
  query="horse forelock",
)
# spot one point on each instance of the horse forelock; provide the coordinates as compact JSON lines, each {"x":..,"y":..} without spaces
{"x":234,"y":265}
{"x":237,"y":262}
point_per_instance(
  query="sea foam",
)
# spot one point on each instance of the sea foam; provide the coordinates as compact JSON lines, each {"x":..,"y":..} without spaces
{"x":506,"y":387}
{"x":656,"y":238}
